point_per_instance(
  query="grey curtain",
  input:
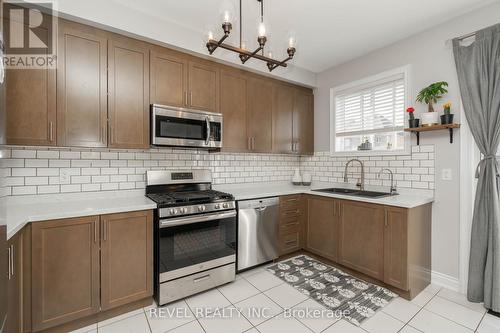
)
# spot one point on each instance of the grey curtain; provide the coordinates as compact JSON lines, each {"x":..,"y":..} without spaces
{"x":478,"y":67}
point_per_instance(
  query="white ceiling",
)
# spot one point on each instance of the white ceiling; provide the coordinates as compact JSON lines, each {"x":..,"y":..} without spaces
{"x":328,"y":32}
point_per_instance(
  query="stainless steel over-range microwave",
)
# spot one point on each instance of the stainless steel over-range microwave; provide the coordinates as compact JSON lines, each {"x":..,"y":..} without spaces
{"x":179,"y":127}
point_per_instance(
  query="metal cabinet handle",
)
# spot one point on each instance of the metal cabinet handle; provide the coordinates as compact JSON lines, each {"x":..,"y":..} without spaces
{"x":186,"y":101}
{"x":12,"y":261}
{"x":51,"y":131}
{"x":105,"y":230}
{"x":253,"y":143}
{"x":386,"y":223}
{"x":9,"y":249}
{"x":95,"y":232}
{"x":191,"y":98}
{"x":249,"y":143}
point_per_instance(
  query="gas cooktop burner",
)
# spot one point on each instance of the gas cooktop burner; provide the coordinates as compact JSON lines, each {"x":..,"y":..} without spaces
{"x":189,"y":197}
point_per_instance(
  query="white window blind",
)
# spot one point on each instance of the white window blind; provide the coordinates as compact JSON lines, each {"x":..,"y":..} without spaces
{"x":378,"y":107}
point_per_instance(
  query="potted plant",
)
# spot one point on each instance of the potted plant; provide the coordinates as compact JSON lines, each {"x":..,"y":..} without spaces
{"x":412,"y":122}
{"x":447,"y":117}
{"x":430,"y":95}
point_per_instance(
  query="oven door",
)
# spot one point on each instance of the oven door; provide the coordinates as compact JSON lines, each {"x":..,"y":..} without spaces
{"x":191,"y":244}
{"x":181,"y":127}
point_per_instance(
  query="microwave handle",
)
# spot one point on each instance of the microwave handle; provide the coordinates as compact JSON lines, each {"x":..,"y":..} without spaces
{"x":207,"y":122}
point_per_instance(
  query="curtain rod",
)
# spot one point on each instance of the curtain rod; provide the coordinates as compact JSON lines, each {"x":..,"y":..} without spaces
{"x":469,"y":35}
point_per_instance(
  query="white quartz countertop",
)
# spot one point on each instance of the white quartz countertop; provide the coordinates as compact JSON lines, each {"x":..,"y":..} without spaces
{"x":25,"y":209}
{"x":21,"y":210}
{"x":406,"y":199}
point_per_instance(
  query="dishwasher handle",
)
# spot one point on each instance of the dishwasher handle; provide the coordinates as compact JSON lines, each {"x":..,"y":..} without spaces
{"x":258,"y":204}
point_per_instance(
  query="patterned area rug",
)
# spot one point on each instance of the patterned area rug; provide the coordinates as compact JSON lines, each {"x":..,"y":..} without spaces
{"x":356,"y":299}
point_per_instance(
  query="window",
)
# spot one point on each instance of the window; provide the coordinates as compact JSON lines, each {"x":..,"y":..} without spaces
{"x":369,"y":115}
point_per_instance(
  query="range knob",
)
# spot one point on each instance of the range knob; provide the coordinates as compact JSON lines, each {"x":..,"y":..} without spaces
{"x":173,"y":211}
{"x":184,"y":210}
{"x":217,"y":206}
{"x":225,"y":205}
{"x":201,"y":208}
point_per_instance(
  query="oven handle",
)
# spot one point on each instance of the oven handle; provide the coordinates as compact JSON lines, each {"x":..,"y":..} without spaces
{"x":166,"y":223}
{"x":207,"y":123}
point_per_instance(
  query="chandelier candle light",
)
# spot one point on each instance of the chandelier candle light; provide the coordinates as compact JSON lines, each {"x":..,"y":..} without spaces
{"x":258,"y":53}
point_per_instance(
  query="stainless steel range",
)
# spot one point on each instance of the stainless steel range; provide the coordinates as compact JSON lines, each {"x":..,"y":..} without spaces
{"x":195,"y":234}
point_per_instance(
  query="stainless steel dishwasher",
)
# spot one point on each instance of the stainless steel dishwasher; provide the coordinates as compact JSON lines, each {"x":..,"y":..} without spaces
{"x":258,"y":223}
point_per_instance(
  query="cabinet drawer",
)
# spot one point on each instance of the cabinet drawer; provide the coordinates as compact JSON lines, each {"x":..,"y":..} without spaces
{"x":289,"y":202}
{"x":287,"y":220}
{"x":286,"y":229}
{"x":180,"y":288}
{"x":289,"y":242}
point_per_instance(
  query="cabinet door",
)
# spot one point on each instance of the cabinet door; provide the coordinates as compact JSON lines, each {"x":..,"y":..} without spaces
{"x":322,"y":227}
{"x":260,"y":115}
{"x":128,"y":85}
{"x":30,"y":103}
{"x":362,"y":238}
{"x":282,"y":119}
{"x":65,"y":271}
{"x":303,"y":122}
{"x":233,"y":96}
{"x":81,"y":86}
{"x":396,"y":248}
{"x":168,"y":77}
{"x":15,"y":285}
{"x":126,"y":258}
{"x":203,"y":86}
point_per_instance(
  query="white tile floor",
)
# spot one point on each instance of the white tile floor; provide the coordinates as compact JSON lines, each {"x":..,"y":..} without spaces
{"x":434,"y":310}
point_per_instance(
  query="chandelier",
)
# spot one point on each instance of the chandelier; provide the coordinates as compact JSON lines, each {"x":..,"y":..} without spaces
{"x":244,"y":54}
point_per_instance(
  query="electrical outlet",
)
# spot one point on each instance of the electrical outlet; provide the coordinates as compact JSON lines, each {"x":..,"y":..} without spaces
{"x":64,"y":177}
{"x":446,"y":174}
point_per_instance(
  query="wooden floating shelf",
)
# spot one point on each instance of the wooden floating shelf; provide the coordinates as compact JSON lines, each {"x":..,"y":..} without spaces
{"x":417,"y":130}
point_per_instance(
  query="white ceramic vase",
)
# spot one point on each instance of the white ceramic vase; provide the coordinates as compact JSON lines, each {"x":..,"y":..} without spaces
{"x":429,"y":118}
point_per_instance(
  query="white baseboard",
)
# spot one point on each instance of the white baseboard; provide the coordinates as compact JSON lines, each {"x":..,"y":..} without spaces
{"x":445,"y":281}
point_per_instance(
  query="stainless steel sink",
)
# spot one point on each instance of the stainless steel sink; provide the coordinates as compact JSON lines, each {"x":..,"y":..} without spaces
{"x":355,"y":193}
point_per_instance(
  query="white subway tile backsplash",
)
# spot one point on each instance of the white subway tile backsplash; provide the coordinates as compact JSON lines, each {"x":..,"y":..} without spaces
{"x":32,"y":170}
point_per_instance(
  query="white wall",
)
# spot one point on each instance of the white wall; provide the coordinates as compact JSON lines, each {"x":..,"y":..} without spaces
{"x":115,"y":16}
{"x":431,"y":57}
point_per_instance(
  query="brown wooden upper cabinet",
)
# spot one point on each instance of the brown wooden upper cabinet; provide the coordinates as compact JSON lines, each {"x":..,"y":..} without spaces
{"x":361,"y":238}
{"x":128,"y":86}
{"x":168,"y":79}
{"x":126,"y":258}
{"x":260,"y":115}
{"x":82,"y":108}
{"x":180,"y":80}
{"x":323,"y":226}
{"x":303,"y":122}
{"x":283,"y":118}
{"x":203,"y":86}
{"x":233,"y":92}
{"x":31,"y":103}
{"x":65,"y":271}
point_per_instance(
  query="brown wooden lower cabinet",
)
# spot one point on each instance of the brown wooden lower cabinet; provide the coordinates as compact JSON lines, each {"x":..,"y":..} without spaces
{"x":291,"y":223}
{"x":15,"y":311}
{"x":81,"y":267}
{"x":361,"y":238}
{"x":390,"y":244}
{"x":126,"y":258}
{"x":65,"y":271}
{"x":322,"y":229}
